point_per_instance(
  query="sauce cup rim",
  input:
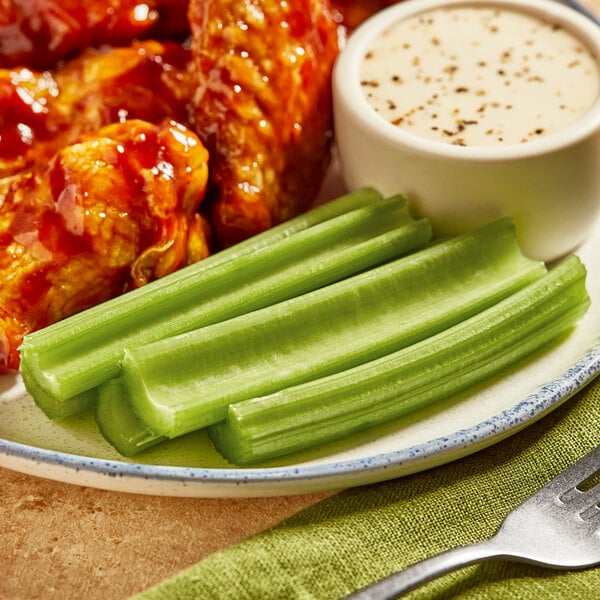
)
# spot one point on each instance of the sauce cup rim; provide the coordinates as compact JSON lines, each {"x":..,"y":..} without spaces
{"x":348,"y":92}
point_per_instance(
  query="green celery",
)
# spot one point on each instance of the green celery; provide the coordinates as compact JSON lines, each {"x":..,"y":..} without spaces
{"x":119,"y":424}
{"x":300,"y":417}
{"x":186,"y":382}
{"x":129,"y":435}
{"x":63,"y":364}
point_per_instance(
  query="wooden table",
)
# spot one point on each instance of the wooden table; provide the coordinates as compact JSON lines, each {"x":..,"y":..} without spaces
{"x":63,"y":541}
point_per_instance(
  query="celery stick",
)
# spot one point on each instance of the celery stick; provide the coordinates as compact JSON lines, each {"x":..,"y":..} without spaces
{"x":62,"y":363}
{"x":118,"y":423}
{"x":332,"y":407}
{"x":120,"y":430}
{"x":186,"y":382}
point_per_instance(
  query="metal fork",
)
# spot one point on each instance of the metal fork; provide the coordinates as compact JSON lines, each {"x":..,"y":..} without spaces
{"x":558,"y":527}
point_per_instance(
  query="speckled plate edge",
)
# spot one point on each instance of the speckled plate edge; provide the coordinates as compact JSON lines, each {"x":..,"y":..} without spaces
{"x":208,"y":482}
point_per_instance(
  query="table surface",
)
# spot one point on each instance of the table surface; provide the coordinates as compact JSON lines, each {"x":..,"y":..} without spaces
{"x":65,"y":541}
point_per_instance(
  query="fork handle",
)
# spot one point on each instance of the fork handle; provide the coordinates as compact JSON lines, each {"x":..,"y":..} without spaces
{"x":408,"y":579}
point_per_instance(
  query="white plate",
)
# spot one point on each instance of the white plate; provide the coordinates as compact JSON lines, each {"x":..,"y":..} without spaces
{"x":74,"y":452}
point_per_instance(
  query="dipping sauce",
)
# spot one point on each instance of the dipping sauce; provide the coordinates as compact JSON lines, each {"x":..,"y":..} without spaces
{"x":479,"y":76}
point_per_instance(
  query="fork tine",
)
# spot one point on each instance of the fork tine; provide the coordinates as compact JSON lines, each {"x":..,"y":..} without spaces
{"x":583,"y":469}
{"x":592,"y":513}
{"x":586,"y":502}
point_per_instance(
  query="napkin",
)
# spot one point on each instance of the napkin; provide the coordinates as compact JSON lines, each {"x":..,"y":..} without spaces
{"x":360,"y":535}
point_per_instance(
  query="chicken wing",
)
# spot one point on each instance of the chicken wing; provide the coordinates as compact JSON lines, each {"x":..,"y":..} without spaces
{"x":38,"y":33}
{"x":43,"y":111}
{"x":263,"y":106}
{"x":106,"y":215}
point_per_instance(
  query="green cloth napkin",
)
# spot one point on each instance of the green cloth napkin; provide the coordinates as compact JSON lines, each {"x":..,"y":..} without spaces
{"x":360,"y":535}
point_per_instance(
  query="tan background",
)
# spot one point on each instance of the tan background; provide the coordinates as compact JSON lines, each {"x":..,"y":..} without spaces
{"x":62,"y":541}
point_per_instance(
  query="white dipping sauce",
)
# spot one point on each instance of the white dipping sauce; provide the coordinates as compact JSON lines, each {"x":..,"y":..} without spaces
{"x":479,"y":76}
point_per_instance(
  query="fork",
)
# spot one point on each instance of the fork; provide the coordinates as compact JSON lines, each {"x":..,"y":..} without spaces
{"x":557,"y":527}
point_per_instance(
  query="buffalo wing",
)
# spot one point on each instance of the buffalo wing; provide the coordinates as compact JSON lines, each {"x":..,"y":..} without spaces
{"x":263,"y":106}
{"x":106,"y":215}
{"x":38,"y":33}
{"x":43,"y":111}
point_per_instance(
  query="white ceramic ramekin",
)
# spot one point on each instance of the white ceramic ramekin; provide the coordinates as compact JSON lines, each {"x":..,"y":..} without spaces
{"x":550,"y":186}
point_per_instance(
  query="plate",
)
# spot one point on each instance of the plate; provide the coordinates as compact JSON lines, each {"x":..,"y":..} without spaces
{"x":73,"y":451}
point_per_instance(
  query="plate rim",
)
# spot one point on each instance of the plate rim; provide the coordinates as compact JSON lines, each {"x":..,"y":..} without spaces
{"x":321,"y":476}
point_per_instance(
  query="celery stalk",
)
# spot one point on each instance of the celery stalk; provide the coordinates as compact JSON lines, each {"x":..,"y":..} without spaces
{"x":129,"y":435}
{"x":119,"y":424}
{"x":62,"y":364}
{"x":186,"y":382}
{"x":431,"y":370}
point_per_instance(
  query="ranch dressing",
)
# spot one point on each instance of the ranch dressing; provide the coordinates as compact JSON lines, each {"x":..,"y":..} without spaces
{"x":479,"y":76}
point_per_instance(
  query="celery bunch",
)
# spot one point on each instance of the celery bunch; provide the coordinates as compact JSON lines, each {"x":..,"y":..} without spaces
{"x":338,"y":320}
{"x":187,"y":382}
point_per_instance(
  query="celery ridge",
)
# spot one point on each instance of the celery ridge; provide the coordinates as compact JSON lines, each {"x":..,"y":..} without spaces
{"x":129,"y":435}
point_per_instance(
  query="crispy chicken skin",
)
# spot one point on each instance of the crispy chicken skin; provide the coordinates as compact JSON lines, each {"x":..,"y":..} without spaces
{"x":38,"y":33}
{"x":263,"y":106}
{"x":43,"y":111}
{"x":106,"y":215}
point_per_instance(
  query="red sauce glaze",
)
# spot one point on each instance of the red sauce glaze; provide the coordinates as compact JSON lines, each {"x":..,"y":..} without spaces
{"x":22,"y":120}
{"x":39,"y":33}
{"x":263,"y":106}
{"x":107,"y":215}
{"x":146,"y":80}
{"x":89,"y":210}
